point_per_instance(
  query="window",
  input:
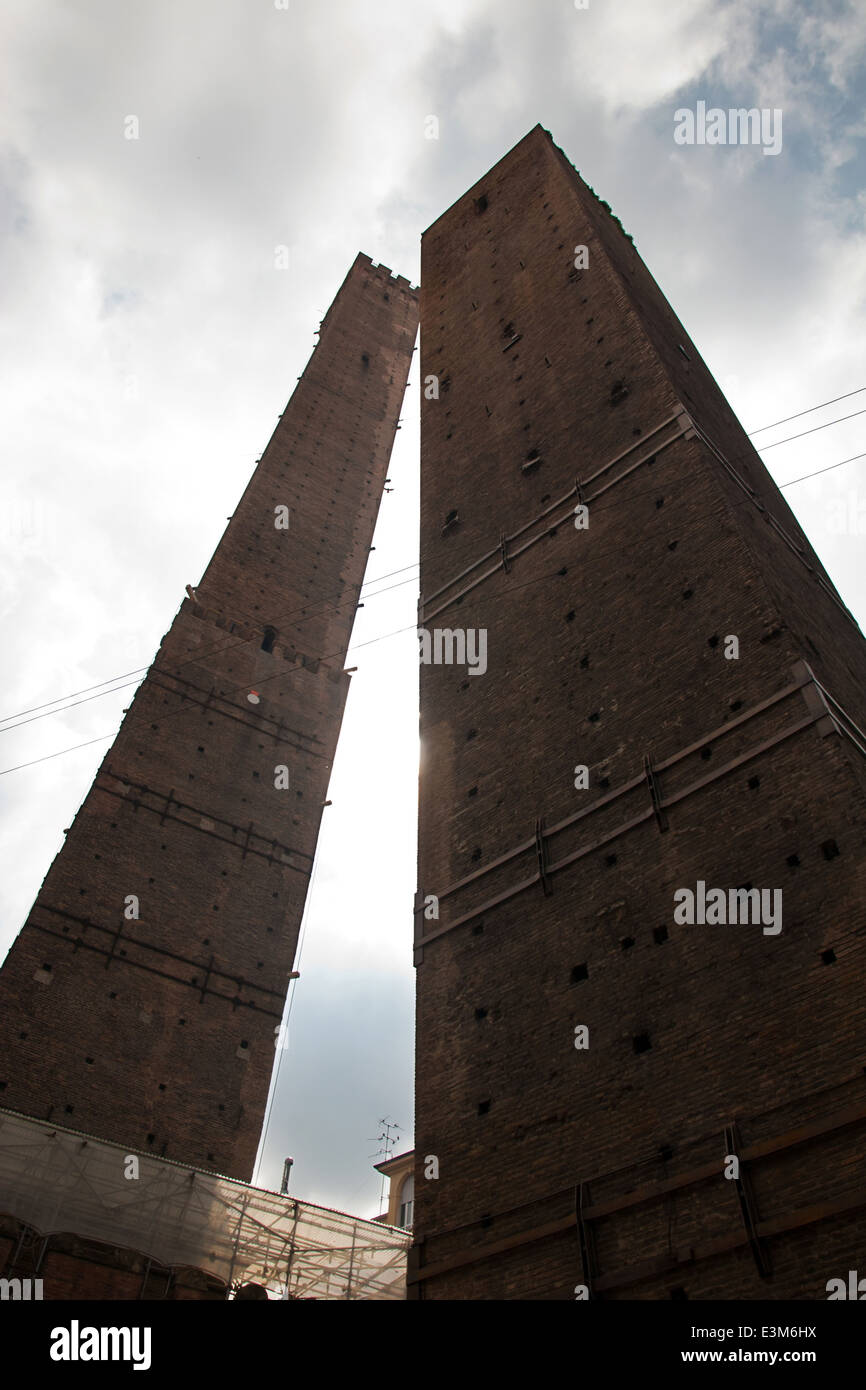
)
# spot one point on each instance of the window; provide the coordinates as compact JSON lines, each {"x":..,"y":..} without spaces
{"x":407,"y":1202}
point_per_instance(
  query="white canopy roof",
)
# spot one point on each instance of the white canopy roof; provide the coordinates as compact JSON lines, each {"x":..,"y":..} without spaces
{"x":57,"y":1180}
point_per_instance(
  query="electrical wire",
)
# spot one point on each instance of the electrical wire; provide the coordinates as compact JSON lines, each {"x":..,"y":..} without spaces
{"x":285,"y":674}
{"x":199,"y":656}
{"x":828,"y":469}
{"x":803,"y":433}
{"x":800,"y":413}
{"x":284,"y":1022}
{"x":231,"y":646}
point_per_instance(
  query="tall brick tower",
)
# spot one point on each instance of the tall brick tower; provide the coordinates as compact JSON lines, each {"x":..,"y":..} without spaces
{"x":644,"y":688}
{"x":140,"y":1000}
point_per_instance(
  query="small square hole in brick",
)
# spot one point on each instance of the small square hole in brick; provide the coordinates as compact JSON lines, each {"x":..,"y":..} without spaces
{"x":610,"y":860}
{"x":483,"y":1107}
{"x":478,"y":929}
{"x":642,"y":1042}
{"x":666,"y":1153}
{"x":828,"y":956}
{"x":480,"y":1013}
{"x":830,"y":849}
{"x":793,"y":861}
{"x":627,"y":943}
{"x":579,"y":972}
{"x":660,"y":934}
{"x":754,"y":783}
{"x":679,"y":1295}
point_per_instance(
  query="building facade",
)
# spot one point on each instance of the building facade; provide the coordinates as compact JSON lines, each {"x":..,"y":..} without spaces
{"x":640,"y":932}
{"x":141,"y":1001}
{"x":400,"y":1172}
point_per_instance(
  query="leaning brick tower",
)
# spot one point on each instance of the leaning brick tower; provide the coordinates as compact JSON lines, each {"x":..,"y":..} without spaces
{"x":140,"y":1000}
{"x":614,"y":1101}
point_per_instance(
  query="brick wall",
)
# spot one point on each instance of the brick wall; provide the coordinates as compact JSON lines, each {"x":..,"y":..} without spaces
{"x":73,"y":1268}
{"x":605,"y":647}
{"x":159,"y":1031}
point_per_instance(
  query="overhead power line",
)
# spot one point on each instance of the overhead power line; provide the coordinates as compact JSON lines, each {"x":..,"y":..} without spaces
{"x":853,"y":415}
{"x":828,"y":469}
{"x":812,"y":408}
{"x":142,"y":669}
{"x":71,"y":696}
{"x":58,"y":754}
{"x":63,"y":708}
{"x":5,"y":720}
{"x":278,"y":675}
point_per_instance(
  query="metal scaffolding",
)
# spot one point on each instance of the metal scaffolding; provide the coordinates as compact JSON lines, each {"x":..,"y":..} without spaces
{"x":56,"y":1180}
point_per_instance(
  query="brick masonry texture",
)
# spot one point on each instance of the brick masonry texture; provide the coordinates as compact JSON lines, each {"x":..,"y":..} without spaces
{"x":72,"y":1268}
{"x":606,"y":646}
{"x":159,"y":1031}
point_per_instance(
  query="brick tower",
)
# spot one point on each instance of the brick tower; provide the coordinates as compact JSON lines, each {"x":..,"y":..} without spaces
{"x":643,"y":683}
{"x":140,"y":1000}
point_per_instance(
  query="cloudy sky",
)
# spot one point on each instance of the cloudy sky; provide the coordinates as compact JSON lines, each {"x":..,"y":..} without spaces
{"x":149,"y":343}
